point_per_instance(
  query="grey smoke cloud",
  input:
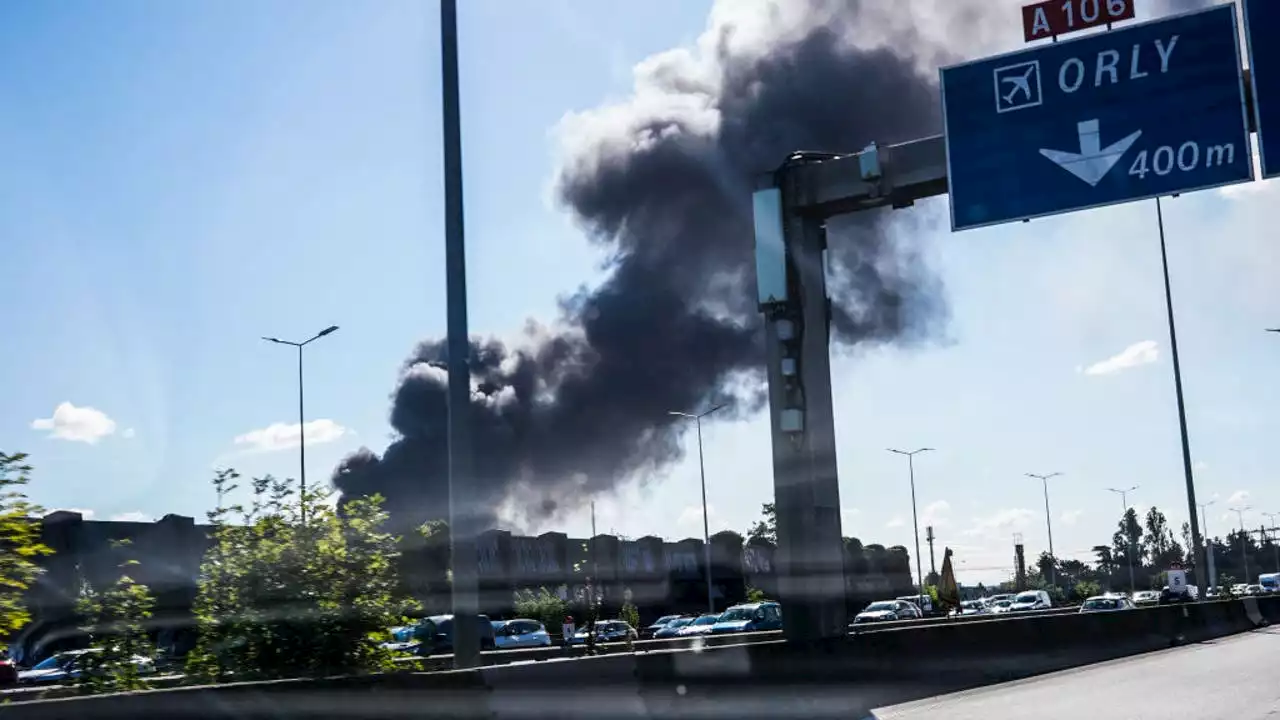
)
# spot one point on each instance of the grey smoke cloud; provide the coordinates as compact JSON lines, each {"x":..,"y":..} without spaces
{"x":662,"y":182}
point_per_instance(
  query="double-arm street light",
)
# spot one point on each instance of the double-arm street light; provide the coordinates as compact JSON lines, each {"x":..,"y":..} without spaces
{"x":702,"y":471}
{"x":915,"y":523}
{"x":1128,"y":553}
{"x":1244,"y":538}
{"x":302,"y":419}
{"x":1053,"y":562}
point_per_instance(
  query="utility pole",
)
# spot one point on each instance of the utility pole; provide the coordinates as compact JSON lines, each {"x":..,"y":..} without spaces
{"x":928,"y":537}
{"x":915,"y":524}
{"x":1048,"y":521}
{"x":1275,"y":546}
{"x":1124,"y":500}
{"x":791,"y":207}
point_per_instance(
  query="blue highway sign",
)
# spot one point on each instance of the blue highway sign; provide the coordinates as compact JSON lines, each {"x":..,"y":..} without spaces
{"x":1260,"y":18}
{"x":1150,"y":109}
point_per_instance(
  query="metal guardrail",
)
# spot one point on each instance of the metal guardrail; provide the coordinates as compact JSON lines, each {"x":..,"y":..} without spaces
{"x":433,"y":663}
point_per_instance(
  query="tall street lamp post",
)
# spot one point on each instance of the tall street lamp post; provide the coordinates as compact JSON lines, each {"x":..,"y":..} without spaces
{"x":1128,"y":553}
{"x":302,"y":419}
{"x":702,"y":472}
{"x":1048,"y":521}
{"x":915,"y":523}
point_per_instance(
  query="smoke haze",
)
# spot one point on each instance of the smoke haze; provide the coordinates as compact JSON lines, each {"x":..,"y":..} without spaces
{"x":662,"y":182}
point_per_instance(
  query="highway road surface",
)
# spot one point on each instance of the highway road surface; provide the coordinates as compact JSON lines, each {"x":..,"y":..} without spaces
{"x":1234,"y":678}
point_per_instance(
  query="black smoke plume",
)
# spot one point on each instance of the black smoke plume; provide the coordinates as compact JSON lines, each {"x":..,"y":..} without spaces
{"x":663,"y":183}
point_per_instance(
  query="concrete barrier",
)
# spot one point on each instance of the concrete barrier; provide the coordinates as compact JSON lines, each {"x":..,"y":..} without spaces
{"x":832,"y":679}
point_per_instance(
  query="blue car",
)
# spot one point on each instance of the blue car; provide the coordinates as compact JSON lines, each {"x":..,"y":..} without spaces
{"x":751,"y":617}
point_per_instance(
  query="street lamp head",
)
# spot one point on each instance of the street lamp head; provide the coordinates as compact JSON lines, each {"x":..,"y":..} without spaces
{"x":326,"y":331}
{"x":1274,"y":330}
{"x":677,"y":413}
{"x":274,"y":340}
{"x":708,"y":412}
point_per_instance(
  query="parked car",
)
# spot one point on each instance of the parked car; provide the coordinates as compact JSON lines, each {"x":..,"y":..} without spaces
{"x":923,"y":602}
{"x":607,"y":631}
{"x":66,"y":666}
{"x":672,"y":629}
{"x":1146,"y":597}
{"x":751,"y":617}
{"x":886,"y":611}
{"x":998,"y":607}
{"x":1031,"y":600}
{"x":434,"y":635}
{"x":700,"y":626}
{"x":1106,"y":603}
{"x":972,"y":607}
{"x":649,"y":631}
{"x":520,"y":633}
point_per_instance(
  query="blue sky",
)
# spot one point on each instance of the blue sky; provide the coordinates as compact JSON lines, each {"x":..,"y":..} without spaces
{"x":182,"y":178}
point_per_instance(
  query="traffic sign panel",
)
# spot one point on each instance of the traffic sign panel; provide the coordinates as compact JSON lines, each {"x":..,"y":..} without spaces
{"x":1052,"y":18}
{"x":1264,"y":71}
{"x":1151,"y":109}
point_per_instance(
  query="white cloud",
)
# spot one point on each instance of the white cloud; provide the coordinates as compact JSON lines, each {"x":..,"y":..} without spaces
{"x":133,"y":516}
{"x":282,"y":436}
{"x":934,"y":514}
{"x":1238,"y":498}
{"x":79,"y":424}
{"x":1071,"y":516}
{"x":86,"y":514}
{"x":847,"y":516}
{"x":895,"y":522}
{"x":128,"y":433}
{"x":690,"y":519}
{"x":1140,"y":353}
{"x":1000,"y":522}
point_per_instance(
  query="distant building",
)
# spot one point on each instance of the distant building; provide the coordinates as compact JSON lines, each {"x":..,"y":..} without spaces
{"x":659,"y":577}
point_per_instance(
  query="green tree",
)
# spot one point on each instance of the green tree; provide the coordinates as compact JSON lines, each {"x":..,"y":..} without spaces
{"x":630,"y":614}
{"x":767,"y":527}
{"x":755,"y":595}
{"x":1086,"y":589}
{"x":544,"y":606}
{"x":116,"y":624}
{"x":20,"y":544}
{"x":296,"y":587}
{"x":1126,"y":543}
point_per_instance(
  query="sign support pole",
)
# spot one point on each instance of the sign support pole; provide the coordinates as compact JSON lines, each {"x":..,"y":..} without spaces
{"x":792,"y":206}
{"x":1196,"y":540}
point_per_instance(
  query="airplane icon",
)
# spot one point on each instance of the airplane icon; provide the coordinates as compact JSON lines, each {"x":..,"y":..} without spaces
{"x":1020,"y":84}
{"x":1017,"y":86}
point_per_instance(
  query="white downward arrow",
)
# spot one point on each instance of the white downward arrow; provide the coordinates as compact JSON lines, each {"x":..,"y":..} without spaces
{"x":1093,"y":162}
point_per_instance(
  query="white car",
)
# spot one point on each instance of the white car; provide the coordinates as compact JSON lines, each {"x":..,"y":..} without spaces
{"x":1031,"y":600}
{"x":520,"y":634}
{"x":1106,"y":603}
{"x":887,"y":611}
{"x":999,"y":607}
{"x":607,"y":631}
